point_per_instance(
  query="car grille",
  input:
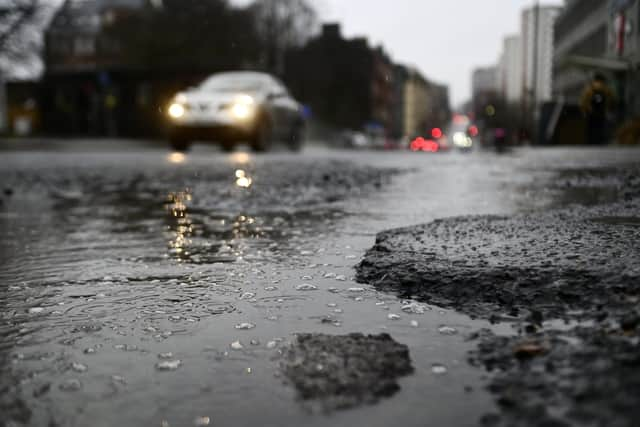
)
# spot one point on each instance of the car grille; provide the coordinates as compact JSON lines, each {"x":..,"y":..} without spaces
{"x":198,"y":107}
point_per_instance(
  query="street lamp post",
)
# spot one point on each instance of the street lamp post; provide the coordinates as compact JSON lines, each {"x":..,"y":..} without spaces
{"x":536,"y":35}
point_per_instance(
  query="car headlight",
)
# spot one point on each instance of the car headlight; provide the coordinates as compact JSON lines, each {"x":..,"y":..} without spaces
{"x":460,"y":139}
{"x":243,"y":107}
{"x":242,"y":111}
{"x":176,"y":110}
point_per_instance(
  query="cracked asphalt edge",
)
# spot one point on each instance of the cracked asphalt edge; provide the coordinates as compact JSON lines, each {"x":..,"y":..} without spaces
{"x":577,"y":265}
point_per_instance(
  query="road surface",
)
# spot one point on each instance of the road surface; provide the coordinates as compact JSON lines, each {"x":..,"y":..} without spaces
{"x":143,"y":287}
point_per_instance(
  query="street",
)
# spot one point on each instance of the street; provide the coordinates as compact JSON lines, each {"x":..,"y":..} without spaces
{"x":144,"y":287}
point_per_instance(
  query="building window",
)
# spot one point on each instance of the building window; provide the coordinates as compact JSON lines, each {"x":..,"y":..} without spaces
{"x":109,"y":17}
{"x":60,"y":46}
{"x":84,"y":46}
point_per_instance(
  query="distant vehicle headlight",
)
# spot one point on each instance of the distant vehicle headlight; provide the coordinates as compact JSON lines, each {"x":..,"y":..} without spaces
{"x":460,"y":139}
{"x":176,"y":110}
{"x":243,"y":107}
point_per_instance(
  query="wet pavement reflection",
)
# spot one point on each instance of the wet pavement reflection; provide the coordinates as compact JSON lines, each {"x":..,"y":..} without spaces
{"x":148,"y":287}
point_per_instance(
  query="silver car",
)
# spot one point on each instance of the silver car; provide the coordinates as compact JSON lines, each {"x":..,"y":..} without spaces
{"x":236,"y":107}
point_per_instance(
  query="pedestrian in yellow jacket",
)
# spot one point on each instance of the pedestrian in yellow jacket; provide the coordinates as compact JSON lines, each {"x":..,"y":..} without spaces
{"x":597,"y":100}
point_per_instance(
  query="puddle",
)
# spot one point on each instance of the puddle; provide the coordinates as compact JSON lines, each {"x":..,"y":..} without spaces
{"x":629,"y":221}
{"x":120,"y":266}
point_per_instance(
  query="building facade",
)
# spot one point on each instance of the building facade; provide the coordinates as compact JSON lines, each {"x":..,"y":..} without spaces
{"x":382,"y":90}
{"x":76,"y":40}
{"x":485,"y":88}
{"x":537,"y":32}
{"x":416,"y":104}
{"x":347,"y":84}
{"x":87,"y":88}
{"x":599,"y":36}
{"x":485,"y":79}
{"x":420,"y":104}
{"x":112,"y":65}
{"x":512,"y":69}
{"x":624,"y":45}
{"x":580,"y":32}
{"x":400,"y":77}
{"x":438,"y":107}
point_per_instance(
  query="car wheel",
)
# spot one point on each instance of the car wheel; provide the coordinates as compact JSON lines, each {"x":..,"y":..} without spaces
{"x":179,"y":143}
{"x":227,"y":146}
{"x":262,"y":137}
{"x":296,"y":137}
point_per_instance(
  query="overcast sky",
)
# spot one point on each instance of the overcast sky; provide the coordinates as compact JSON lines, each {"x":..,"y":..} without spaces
{"x":445,"y":39}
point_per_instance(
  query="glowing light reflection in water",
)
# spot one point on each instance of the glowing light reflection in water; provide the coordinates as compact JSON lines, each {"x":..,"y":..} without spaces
{"x":201,"y":236}
{"x":240,"y":158}
{"x":183,"y":227}
{"x":242,"y":180}
{"x":176,"y":157}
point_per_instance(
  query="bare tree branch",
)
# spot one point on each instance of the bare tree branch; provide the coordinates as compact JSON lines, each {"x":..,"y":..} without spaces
{"x":22,"y":24}
{"x":14,"y":15}
{"x":283,"y":24}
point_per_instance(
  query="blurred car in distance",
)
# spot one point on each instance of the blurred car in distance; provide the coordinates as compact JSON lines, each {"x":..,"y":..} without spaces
{"x":462,"y":132}
{"x":427,"y":145}
{"x":353,"y":140}
{"x":376,"y":134}
{"x":234,"y":107}
{"x":435,"y":142}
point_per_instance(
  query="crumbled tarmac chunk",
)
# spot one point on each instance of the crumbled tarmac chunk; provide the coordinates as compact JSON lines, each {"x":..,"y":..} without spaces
{"x":333,"y":372}
{"x":547,"y":265}
{"x":578,"y":263}
{"x":583,"y":377}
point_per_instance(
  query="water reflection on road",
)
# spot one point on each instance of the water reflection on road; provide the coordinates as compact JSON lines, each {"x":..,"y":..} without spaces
{"x":144,"y":288}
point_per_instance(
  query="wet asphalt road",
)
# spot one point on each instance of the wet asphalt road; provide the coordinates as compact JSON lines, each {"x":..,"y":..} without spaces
{"x":140,"y":287}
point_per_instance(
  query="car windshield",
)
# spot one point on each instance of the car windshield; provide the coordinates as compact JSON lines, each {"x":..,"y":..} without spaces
{"x":233,"y":83}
